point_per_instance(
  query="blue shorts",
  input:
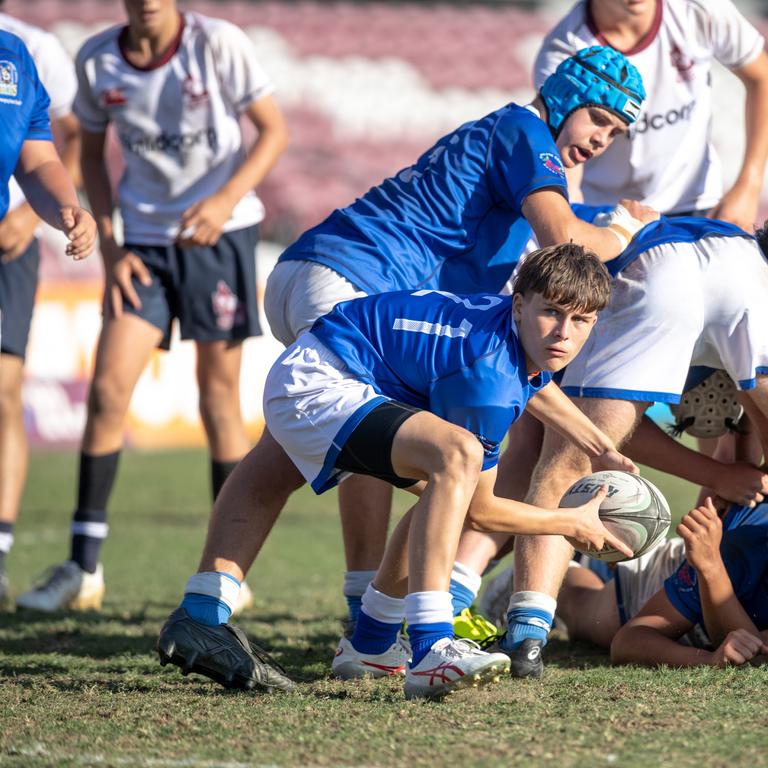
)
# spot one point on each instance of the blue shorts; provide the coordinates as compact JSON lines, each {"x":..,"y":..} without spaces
{"x":211,"y":290}
{"x":18,"y":285}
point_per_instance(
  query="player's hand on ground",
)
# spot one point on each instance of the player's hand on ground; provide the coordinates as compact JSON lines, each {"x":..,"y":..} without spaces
{"x":121,"y":266}
{"x":739,"y":206}
{"x":702,"y":531}
{"x":738,"y":648}
{"x":614,"y":461}
{"x":741,"y":483}
{"x":17,"y":230}
{"x":203,"y":222}
{"x":80,"y":228}
{"x":643,"y":213}
{"x":589,"y":532}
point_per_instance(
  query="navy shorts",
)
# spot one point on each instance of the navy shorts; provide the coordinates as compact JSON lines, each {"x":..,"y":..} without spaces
{"x":18,"y":285}
{"x":211,"y":290}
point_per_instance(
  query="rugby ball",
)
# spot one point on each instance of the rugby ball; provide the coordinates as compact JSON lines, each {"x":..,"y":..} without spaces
{"x":634,"y":511}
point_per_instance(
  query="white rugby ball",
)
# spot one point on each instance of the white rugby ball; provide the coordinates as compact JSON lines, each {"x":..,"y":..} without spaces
{"x":635,"y":511}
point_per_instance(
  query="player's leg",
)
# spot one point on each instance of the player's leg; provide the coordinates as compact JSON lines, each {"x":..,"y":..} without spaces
{"x":541,"y":561}
{"x":587,"y":606}
{"x":476,"y":549}
{"x":124,"y":348}
{"x":297,"y":293}
{"x":414,"y":576}
{"x":18,"y":284}
{"x":218,"y":379}
{"x":13,"y":455}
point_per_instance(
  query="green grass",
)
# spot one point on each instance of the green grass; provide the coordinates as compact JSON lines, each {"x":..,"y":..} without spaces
{"x":89,"y":691}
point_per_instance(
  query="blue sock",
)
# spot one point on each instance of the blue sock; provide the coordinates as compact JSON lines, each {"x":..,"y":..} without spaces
{"x":373,"y":636}
{"x":423,"y":636}
{"x":354,"y":602}
{"x":530,"y":616}
{"x":461,"y":597}
{"x":208,"y":609}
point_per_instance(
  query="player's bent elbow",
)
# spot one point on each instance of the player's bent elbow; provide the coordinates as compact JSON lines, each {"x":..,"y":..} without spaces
{"x":621,"y":647}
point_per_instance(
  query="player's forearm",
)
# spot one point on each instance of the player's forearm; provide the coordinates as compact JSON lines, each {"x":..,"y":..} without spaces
{"x":721,"y":608}
{"x":497,"y":515}
{"x":262,"y":157}
{"x":651,"y":446}
{"x":555,"y":410}
{"x":601,"y":240}
{"x":646,"y":646}
{"x":68,"y":129}
{"x":48,"y":189}
{"x":756,"y":116}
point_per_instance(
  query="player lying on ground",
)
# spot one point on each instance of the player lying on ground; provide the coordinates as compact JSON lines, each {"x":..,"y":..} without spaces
{"x":708,"y":281}
{"x":722,"y":587}
{"x":417,"y":389}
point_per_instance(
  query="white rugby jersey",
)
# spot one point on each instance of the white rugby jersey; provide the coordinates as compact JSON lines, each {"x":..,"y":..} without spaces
{"x":668,"y":160}
{"x":177,"y":122}
{"x":56,"y":71}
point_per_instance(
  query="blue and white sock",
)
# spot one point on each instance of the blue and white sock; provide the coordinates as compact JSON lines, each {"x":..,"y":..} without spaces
{"x":209,"y":597}
{"x":429,"y":618}
{"x":378,"y":621}
{"x":355,"y":584}
{"x":530,"y":615}
{"x":465,"y":584}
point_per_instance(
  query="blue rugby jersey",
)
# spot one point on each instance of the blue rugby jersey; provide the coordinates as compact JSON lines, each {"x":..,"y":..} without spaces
{"x":456,"y":356}
{"x":453,"y":220}
{"x":744,"y":550}
{"x":23,"y":107}
{"x":678,"y":229}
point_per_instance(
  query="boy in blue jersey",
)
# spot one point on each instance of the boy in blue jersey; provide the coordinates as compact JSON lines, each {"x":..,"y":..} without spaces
{"x":28,"y":152}
{"x":687,"y":292}
{"x":456,"y":220}
{"x":417,"y":389}
{"x":722,"y":587}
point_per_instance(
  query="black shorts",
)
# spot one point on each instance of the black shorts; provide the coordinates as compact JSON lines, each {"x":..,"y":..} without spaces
{"x":18,"y":285}
{"x":210,"y":289}
{"x":368,"y":450}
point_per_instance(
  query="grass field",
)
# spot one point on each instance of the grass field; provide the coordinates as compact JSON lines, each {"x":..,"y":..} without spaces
{"x":89,"y":691}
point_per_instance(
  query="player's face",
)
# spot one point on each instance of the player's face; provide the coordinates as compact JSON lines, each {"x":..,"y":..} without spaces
{"x":587,"y":133}
{"x":149,"y":17}
{"x":550,"y":333}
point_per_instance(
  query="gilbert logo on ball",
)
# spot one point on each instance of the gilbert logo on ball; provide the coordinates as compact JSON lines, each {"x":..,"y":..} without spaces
{"x":634,"y":511}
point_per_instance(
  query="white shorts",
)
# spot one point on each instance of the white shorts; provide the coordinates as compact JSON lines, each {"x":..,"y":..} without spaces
{"x":298,"y":292}
{"x":678,"y":305}
{"x":636,"y":581}
{"x":311,"y":406}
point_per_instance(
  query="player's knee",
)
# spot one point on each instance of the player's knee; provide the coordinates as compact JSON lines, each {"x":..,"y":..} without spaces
{"x":107,"y":399}
{"x":10,"y":400}
{"x":460,"y":456}
{"x":219,"y":407}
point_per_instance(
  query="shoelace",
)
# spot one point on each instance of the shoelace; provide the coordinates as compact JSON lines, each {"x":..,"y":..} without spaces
{"x":456,"y":649}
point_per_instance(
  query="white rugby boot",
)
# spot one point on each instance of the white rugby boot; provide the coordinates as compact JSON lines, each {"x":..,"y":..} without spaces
{"x":66,"y":587}
{"x":349,"y":664}
{"x":453,"y":664}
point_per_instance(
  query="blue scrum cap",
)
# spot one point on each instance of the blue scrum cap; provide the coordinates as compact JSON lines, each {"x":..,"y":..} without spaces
{"x":593,"y":77}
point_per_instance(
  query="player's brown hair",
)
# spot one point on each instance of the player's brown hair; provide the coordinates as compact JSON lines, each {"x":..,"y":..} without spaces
{"x":566,"y":274}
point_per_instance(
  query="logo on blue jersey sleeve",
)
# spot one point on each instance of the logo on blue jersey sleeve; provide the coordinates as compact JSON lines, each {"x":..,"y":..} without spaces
{"x":9,"y":79}
{"x":552,"y":163}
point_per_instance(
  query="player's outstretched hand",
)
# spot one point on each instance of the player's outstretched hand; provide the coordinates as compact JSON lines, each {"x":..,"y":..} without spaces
{"x":643,"y":213}
{"x":80,"y":228}
{"x":741,"y":483}
{"x":702,"y":531}
{"x":121,"y":268}
{"x":738,"y":648}
{"x":739,"y":206}
{"x":589,"y":532}
{"x":614,"y":461}
{"x":203,"y":222}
